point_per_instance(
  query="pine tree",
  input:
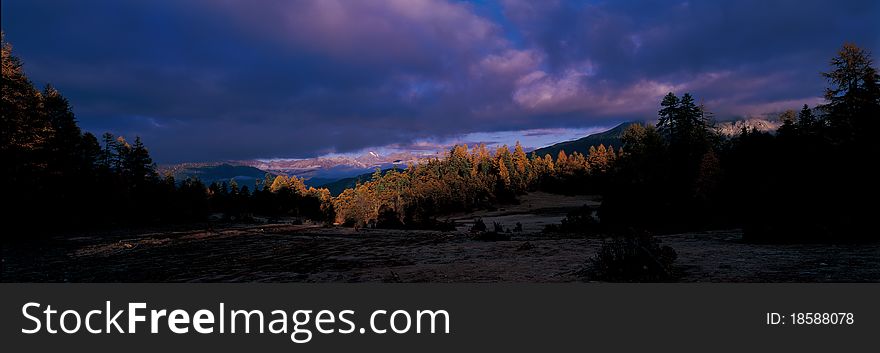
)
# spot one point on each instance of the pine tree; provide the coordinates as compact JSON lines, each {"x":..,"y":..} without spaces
{"x":683,"y":123}
{"x":23,"y":128}
{"x":64,"y":143}
{"x":520,"y":160}
{"x":268,"y":180}
{"x":669,"y":112}
{"x":806,"y":121}
{"x":788,"y":116}
{"x":121,"y":149}
{"x":561,"y":158}
{"x":233,"y":187}
{"x":598,"y":158}
{"x":521,"y":168}
{"x":503,"y":174}
{"x":138,"y":164}
{"x":551,"y":167}
{"x":280,"y":182}
{"x":789,"y":119}
{"x":854,"y":94}
{"x":690,"y":118}
{"x":298,"y":185}
{"x":90,"y":152}
{"x":108,"y":153}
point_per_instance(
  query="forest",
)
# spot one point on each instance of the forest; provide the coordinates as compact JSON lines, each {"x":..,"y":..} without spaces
{"x":812,"y":180}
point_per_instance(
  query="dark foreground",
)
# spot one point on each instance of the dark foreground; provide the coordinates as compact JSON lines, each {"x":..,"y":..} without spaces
{"x":289,"y":253}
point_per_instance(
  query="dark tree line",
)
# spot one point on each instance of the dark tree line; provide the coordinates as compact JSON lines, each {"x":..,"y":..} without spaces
{"x":59,"y":177}
{"x":822,"y":179}
{"x":668,"y":175}
{"x":812,"y":180}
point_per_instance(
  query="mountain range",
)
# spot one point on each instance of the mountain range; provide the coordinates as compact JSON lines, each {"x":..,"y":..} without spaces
{"x":608,"y":138}
{"x":316,"y":171}
{"x":337,"y":172}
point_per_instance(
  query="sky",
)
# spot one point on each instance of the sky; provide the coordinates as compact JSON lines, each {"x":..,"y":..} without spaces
{"x":203,"y":80}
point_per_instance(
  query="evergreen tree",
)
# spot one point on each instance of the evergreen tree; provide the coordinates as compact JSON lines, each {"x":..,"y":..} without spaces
{"x":806,"y":121}
{"x":789,"y":119}
{"x":24,"y":128}
{"x":139,"y":165}
{"x":853,"y":97}
{"x":109,"y":158}
{"x":682,"y":121}
{"x":233,"y":187}
{"x":90,"y":152}
{"x":691,"y":121}
{"x":121,"y":151}
{"x":520,"y":160}
{"x":280,"y":182}
{"x":668,"y":114}
{"x":503,"y":174}
{"x":64,"y":143}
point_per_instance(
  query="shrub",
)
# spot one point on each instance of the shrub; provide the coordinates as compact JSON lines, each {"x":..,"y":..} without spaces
{"x":577,"y":221}
{"x":492,"y":236}
{"x":388,"y":219}
{"x":479,"y":225}
{"x":633,"y":258}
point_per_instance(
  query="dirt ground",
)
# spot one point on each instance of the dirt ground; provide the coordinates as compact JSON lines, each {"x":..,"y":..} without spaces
{"x":309,"y":253}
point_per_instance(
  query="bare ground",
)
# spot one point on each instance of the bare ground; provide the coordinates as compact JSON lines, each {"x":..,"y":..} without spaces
{"x":307,"y":253}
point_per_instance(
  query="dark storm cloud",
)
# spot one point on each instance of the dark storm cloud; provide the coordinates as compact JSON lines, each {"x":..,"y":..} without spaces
{"x":205,"y":80}
{"x":717,"y":48}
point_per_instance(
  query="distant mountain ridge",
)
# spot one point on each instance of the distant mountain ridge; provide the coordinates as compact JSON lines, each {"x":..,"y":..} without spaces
{"x":209,"y":173}
{"x":734,"y":128}
{"x":338,"y":186}
{"x":608,"y":138}
{"x":612,"y":137}
{"x":316,"y":171}
{"x":365,"y":161}
{"x":339,"y":172}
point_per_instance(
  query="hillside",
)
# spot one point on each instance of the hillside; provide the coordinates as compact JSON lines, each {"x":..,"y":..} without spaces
{"x":338,"y":186}
{"x":582,"y":145}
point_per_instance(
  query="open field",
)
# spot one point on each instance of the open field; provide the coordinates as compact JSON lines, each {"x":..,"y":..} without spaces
{"x":307,"y":253}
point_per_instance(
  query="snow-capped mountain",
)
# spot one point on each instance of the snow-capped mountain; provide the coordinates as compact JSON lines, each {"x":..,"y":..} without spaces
{"x":316,"y":171}
{"x":368,"y":160}
{"x":733,"y":128}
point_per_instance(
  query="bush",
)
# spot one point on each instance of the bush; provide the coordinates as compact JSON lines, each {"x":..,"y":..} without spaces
{"x":633,"y":258}
{"x":492,"y":236}
{"x":482,"y":233}
{"x":577,"y":221}
{"x":479,"y":226}
{"x":388,"y":219}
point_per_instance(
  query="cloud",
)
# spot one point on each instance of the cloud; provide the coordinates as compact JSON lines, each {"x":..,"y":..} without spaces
{"x":509,"y":62}
{"x":207,"y":80}
{"x":537,"y":89}
{"x":429,"y":36}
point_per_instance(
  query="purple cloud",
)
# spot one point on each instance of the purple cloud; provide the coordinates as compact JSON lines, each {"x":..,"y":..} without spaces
{"x":206,"y":80}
